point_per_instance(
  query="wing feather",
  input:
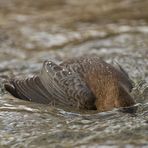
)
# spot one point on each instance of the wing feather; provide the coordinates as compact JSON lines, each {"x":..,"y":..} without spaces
{"x":54,"y":85}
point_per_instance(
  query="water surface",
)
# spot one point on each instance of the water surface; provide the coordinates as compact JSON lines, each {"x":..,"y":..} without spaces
{"x":31,"y":32}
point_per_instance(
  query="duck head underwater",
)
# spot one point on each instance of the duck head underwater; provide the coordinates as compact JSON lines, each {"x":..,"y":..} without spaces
{"x":85,"y":82}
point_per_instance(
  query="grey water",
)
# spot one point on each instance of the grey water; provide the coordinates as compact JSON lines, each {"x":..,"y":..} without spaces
{"x":31,"y":32}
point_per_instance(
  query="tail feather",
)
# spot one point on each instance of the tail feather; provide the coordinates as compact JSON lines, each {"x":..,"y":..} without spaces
{"x":30,"y":89}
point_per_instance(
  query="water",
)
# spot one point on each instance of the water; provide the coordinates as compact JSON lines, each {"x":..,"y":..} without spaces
{"x":31,"y":32}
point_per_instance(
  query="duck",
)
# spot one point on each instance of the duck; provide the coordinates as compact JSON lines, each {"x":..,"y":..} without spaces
{"x":85,"y":82}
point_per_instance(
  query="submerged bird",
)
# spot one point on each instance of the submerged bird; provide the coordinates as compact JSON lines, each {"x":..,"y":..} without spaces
{"x":85,"y":82}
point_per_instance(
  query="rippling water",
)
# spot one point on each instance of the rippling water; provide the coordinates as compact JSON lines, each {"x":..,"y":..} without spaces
{"x":31,"y":32}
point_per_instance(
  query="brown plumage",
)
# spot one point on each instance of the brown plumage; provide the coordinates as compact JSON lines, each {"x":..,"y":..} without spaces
{"x":85,"y":83}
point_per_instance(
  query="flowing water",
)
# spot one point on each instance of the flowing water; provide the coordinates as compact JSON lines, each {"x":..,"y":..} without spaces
{"x":34,"y":31}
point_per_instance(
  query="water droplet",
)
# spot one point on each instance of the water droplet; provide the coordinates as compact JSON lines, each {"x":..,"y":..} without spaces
{"x":49,"y":63}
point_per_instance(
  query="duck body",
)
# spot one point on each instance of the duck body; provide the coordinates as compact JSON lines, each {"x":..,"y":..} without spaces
{"x":85,"y":82}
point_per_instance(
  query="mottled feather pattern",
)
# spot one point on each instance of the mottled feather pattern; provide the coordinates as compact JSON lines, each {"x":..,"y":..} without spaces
{"x":85,"y":83}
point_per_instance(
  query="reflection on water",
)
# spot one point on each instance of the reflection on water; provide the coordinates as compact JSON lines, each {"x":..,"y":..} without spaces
{"x":57,"y":29}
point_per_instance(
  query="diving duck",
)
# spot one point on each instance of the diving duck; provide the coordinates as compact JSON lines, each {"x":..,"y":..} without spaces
{"x":85,"y":82}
